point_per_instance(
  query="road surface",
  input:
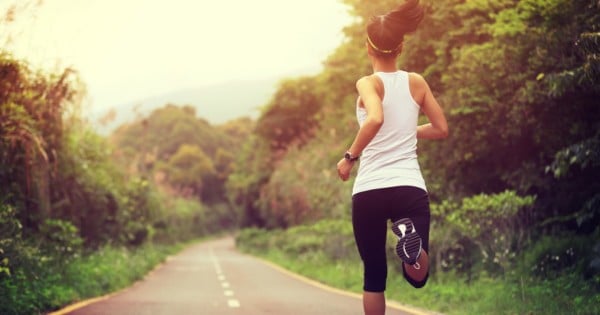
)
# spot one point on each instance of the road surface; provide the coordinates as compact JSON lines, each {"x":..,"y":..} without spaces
{"x":213,"y":278}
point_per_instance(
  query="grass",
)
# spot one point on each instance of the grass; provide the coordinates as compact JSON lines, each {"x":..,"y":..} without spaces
{"x":44,"y":287}
{"x":452,"y":295}
{"x":448,"y":293}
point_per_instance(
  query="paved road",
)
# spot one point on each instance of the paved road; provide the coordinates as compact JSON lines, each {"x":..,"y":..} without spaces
{"x":212,"y":278}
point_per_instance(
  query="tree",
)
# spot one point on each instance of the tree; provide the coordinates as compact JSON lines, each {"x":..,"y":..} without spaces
{"x":190,"y":170}
{"x":289,"y":118}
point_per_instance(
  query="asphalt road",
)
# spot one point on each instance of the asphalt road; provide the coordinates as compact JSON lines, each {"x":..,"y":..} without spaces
{"x":213,"y":278}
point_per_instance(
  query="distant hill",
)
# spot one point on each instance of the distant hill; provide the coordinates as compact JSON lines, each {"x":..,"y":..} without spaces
{"x":217,"y":104}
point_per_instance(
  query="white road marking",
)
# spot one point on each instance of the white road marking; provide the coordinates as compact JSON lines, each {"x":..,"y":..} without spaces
{"x":232,"y":303}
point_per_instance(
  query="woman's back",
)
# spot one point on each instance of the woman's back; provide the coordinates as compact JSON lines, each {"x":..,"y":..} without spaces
{"x":390,"y":159}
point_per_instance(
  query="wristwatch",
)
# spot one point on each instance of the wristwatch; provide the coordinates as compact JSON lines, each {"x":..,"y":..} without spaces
{"x":348,"y":156}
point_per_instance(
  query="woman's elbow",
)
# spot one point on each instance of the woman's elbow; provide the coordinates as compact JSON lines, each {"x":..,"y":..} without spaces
{"x":376,"y":121}
{"x":444,"y":133}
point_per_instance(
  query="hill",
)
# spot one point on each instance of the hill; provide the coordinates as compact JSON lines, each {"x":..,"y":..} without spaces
{"x":216,"y":103}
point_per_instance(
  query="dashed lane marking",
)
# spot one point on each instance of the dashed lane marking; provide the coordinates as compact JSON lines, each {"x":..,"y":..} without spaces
{"x":232,"y":303}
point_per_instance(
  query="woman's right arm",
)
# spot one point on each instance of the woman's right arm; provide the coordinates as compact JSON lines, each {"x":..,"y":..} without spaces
{"x":437,"y":128}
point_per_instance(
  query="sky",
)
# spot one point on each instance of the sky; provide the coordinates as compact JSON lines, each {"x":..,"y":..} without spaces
{"x":127,"y":50}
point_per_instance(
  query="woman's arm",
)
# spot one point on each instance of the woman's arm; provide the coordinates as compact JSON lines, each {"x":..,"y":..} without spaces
{"x":370,"y":89}
{"x":437,"y":128}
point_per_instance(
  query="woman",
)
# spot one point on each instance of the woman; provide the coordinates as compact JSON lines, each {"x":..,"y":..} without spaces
{"x":389,"y":184}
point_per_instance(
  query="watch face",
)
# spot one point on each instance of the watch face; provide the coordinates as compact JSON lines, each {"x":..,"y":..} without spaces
{"x":349,"y":157}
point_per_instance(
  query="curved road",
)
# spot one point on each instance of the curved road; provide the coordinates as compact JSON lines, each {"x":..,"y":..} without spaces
{"x":213,"y":278}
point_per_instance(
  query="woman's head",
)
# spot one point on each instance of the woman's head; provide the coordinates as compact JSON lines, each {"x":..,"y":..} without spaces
{"x":385,"y":33}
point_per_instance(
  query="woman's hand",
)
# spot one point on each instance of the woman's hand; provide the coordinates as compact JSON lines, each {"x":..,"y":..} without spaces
{"x":344,"y":167}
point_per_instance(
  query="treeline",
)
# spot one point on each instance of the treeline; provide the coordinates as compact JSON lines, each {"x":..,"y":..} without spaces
{"x":67,"y":192}
{"x":514,"y":188}
{"x":56,"y":168}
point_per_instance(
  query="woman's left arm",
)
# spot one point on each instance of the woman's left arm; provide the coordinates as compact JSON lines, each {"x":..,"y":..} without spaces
{"x":368,"y":88}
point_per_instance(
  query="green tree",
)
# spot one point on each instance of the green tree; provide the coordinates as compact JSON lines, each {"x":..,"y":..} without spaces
{"x":190,"y":170}
{"x":289,"y":118}
{"x":518,"y":81}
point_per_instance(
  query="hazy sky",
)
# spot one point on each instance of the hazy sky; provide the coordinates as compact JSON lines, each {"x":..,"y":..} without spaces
{"x":126,"y":50}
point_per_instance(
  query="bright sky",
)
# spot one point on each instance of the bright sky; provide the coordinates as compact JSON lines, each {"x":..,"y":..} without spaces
{"x":126,"y":50}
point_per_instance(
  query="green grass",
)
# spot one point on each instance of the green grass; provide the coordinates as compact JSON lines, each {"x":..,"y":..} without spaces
{"x":312,"y":252}
{"x":44,"y":287}
{"x":453,"y":295}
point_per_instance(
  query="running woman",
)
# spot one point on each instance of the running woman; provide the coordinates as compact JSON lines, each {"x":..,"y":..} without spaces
{"x":389,"y":184}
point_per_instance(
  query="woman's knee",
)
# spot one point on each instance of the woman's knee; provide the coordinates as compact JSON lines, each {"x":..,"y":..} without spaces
{"x":375,"y":277}
{"x":415,"y":283}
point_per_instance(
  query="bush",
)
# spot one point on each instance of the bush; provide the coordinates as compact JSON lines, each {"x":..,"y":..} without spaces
{"x":497,"y":224}
{"x":551,"y":256}
{"x":10,"y":236}
{"x":60,"y":240}
{"x":36,"y":287}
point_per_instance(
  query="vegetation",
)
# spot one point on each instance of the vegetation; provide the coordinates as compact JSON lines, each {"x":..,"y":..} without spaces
{"x":61,"y":280}
{"x":329,"y":244}
{"x":519,"y":81}
{"x":68,"y":197}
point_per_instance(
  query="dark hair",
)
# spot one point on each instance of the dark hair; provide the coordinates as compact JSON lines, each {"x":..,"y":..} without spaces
{"x":386,"y":32}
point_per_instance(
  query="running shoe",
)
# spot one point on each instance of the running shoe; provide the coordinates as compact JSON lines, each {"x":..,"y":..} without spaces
{"x":409,"y":241}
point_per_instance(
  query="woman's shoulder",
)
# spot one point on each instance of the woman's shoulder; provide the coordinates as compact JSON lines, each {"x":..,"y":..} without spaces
{"x":416,"y":77}
{"x":418,"y":86}
{"x":368,"y":79}
{"x":371,"y":82}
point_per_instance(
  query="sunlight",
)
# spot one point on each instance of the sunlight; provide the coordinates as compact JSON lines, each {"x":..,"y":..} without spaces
{"x":130,"y":49}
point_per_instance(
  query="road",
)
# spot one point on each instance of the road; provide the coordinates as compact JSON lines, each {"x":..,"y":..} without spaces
{"x":213,"y":278}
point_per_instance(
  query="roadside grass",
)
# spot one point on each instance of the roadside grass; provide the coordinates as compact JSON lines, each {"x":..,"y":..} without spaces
{"x":325,"y":252}
{"x":39,"y":288}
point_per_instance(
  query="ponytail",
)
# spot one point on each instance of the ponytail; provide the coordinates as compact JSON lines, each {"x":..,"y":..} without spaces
{"x":385,"y":33}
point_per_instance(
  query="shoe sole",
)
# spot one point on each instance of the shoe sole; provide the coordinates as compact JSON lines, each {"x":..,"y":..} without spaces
{"x":409,"y":244}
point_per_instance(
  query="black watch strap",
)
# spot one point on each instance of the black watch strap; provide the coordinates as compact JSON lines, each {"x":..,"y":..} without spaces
{"x":348,"y":156}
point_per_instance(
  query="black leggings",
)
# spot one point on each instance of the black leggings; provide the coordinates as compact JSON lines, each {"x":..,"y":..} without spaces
{"x":371,"y":211}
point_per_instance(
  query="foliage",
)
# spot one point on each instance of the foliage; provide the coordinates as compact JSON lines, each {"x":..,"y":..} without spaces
{"x":31,"y":110}
{"x":190,"y":168}
{"x":253,"y":167}
{"x":183,"y":154}
{"x":162,"y":133}
{"x":60,"y":240}
{"x":328,"y":244}
{"x":289,"y":118}
{"x":188,"y":219}
{"x":514,"y":189}
{"x":37,"y":287}
{"x":497,"y":224}
{"x":10,"y":237}
{"x":331,"y":239}
{"x":62,"y":194}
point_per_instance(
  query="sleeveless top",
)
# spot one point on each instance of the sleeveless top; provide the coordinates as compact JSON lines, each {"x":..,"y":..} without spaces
{"x":390,"y":159}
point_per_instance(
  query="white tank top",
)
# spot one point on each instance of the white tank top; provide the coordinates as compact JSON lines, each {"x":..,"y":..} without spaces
{"x":390,"y":159}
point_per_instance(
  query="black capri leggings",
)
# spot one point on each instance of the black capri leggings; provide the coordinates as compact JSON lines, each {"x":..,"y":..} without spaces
{"x":371,"y":211}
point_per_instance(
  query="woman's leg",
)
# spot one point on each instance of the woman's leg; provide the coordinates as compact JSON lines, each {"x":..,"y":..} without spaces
{"x":418,"y":272}
{"x":415,"y":206}
{"x":374,"y":303}
{"x":370,"y":228}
